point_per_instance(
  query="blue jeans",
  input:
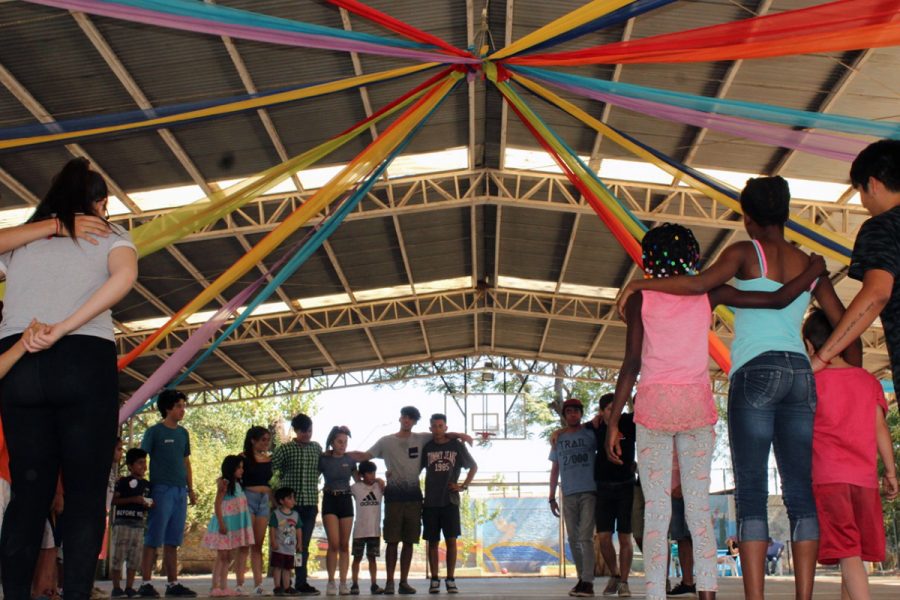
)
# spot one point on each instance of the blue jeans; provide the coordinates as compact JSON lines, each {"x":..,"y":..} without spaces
{"x":772,"y":401}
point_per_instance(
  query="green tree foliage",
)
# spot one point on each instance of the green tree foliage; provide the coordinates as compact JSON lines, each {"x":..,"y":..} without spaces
{"x":892,"y":509}
{"x":218,"y":430}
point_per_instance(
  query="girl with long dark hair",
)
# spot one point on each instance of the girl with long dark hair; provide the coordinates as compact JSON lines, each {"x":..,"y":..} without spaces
{"x":257,"y":474}
{"x":59,"y":403}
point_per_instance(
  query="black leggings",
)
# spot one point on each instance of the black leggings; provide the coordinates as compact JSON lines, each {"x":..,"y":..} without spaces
{"x":59,"y":410}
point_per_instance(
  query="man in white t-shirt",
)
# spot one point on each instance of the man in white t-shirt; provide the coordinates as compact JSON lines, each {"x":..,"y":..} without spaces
{"x":367,"y":527}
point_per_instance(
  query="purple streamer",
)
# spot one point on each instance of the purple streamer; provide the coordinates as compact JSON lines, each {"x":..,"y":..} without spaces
{"x":285,"y":38}
{"x":821,"y":144}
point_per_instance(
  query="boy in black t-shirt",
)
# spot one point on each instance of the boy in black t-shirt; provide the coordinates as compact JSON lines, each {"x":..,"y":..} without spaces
{"x":876,"y":256}
{"x":615,"y":497}
{"x":443,"y":459}
{"x":131,"y":500}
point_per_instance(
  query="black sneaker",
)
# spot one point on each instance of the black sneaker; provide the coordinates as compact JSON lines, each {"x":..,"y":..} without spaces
{"x":388,"y":588}
{"x":434,"y":587}
{"x":405,"y":588}
{"x":586,"y":591}
{"x":117,"y":593}
{"x":131,"y":592}
{"x":376,"y":590}
{"x":451,"y":586}
{"x":354,"y":589}
{"x":147,"y":591}
{"x":304,"y":589}
{"x":574,"y":591}
{"x":179,"y":591}
{"x":681,"y":589}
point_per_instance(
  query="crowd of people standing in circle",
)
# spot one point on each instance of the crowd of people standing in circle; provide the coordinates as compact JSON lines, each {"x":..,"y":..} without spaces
{"x":796,"y":386}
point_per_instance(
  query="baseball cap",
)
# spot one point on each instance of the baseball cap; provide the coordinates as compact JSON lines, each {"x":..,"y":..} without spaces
{"x":573,"y":403}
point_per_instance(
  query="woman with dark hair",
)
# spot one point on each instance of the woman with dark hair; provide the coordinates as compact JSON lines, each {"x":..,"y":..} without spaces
{"x":772,"y":396}
{"x":337,"y":506}
{"x":60,"y":402}
{"x":257,"y":474}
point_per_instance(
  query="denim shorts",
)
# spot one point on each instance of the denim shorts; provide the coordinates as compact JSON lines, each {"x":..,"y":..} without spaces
{"x":772,"y":403}
{"x":165,"y":521}
{"x":258,"y":503}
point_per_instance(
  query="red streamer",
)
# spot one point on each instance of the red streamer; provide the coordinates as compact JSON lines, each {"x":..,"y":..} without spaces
{"x":398,"y":26}
{"x":717,"y":350}
{"x":837,"y":26}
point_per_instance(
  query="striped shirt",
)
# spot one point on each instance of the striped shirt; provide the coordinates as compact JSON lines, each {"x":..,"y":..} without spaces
{"x":297,"y":467}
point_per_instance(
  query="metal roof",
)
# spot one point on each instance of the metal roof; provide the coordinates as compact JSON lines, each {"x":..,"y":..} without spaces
{"x":486,"y":223}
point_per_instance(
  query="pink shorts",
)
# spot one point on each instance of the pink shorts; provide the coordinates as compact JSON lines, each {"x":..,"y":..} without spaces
{"x":851,"y":523}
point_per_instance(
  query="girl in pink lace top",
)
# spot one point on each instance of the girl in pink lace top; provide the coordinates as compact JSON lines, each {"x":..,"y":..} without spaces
{"x":667,"y":344}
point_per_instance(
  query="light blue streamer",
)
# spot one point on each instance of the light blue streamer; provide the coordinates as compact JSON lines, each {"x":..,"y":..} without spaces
{"x":735,"y":108}
{"x":234,"y":16}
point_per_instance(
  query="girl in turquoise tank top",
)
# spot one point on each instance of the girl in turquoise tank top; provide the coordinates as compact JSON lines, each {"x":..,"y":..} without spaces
{"x":771,"y":392}
{"x":667,"y":344}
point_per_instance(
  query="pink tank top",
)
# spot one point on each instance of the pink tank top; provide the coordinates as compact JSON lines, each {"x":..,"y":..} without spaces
{"x":673,"y":393}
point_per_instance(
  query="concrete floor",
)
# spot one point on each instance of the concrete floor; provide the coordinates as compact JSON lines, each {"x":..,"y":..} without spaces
{"x":827,"y":587}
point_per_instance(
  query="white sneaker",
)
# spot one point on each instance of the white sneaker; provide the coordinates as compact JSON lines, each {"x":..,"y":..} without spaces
{"x":331,"y":589}
{"x":343,"y":589}
{"x":258,"y":591}
{"x":239,"y":591}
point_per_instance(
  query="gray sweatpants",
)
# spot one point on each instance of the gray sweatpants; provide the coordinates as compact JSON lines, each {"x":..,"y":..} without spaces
{"x":579,"y":515}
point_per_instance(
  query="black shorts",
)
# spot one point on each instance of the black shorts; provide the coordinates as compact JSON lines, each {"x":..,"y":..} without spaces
{"x":339,"y":505}
{"x":678,"y":527}
{"x":437,"y":519}
{"x":614,"y":502}
{"x":370,"y":546}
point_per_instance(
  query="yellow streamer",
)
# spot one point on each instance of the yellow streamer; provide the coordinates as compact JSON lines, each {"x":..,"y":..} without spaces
{"x":691,"y":181}
{"x":567,"y":22}
{"x":174,"y":225}
{"x":224,"y":109}
{"x":349,"y":176}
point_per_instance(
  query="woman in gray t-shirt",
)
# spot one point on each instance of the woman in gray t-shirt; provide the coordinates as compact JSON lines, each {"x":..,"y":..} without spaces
{"x":337,"y":505}
{"x":60,"y":401}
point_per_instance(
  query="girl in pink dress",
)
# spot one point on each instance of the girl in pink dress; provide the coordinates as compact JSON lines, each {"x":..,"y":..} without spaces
{"x":231,"y":527}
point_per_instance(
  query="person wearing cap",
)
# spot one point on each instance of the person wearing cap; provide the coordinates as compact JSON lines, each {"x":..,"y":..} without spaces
{"x":402,"y":455}
{"x":572,"y":454}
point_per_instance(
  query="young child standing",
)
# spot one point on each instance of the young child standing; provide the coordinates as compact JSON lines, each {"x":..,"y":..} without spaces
{"x":667,"y":344}
{"x":367,"y":528}
{"x":230,"y":528}
{"x":844,"y":469}
{"x":285,"y":541}
{"x":131,"y":501}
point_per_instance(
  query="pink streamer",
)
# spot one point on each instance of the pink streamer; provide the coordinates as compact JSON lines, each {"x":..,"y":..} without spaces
{"x":821,"y":144}
{"x":167,"y":371}
{"x":285,"y":38}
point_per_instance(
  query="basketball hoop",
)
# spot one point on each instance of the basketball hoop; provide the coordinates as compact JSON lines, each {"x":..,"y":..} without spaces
{"x":483,"y":438}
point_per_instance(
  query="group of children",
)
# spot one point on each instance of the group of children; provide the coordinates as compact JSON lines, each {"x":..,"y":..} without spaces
{"x":230,"y":533}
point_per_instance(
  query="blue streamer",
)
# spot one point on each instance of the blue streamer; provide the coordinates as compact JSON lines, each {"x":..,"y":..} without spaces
{"x":309,"y":248}
{"x":612,"y":19}
{"x":732,"y":193}
{"x":734,"y":108}
{"x":136,"y":116}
